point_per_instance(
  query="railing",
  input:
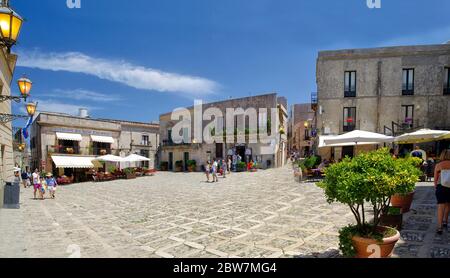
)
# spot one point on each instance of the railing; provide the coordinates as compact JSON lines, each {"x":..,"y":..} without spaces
{"x":348,"y":126}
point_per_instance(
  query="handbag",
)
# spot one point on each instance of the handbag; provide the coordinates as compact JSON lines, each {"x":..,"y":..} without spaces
{"x":445,"y":178}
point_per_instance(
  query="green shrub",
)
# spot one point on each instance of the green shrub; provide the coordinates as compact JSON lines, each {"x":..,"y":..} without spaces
{"x":311,"y":162}
{"x":191,"y":163}
{"x":241,"y":166}
{"x":129,"y":171}
{"x":179,"y":163}
{"x":370,"y":178}
{"x":164,"y":165}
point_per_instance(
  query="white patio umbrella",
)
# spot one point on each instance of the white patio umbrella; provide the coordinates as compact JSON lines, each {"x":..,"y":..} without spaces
{"x":422,"y":136}
{"x":357,"y":137}
{"x":322,"y":143}
{"x":134,"y":158}
{"x":109,"y":158}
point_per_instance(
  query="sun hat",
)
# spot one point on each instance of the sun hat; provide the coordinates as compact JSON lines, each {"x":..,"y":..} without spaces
{"x":49,"y":175}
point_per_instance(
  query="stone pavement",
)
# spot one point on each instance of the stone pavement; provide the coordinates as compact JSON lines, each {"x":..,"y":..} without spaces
{"x":249,"y":215}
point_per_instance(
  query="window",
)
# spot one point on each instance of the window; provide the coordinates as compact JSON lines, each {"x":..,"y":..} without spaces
{"x":349,"y":119}
{"x":447,"y":81}
{"x":350,"y":84}
{"x":169,"y":136}
{"x":408,"y":82}
{"x":145,"y":153}
{"x":145,"y":140}
{"x":101,"y":148}
{"x":68,"y":147}
{"x":408,"y":113}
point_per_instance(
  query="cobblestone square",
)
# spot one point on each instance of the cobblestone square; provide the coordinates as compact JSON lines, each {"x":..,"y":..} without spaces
{"x":265,"y":214}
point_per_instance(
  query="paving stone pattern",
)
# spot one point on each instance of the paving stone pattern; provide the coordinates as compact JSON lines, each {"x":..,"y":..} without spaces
{"x":247,"y":215}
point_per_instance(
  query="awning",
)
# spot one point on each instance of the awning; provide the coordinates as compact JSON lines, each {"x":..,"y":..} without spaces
{"x":72,"y":162}
{"x":69,"y":136}
{"x":102,"y":139}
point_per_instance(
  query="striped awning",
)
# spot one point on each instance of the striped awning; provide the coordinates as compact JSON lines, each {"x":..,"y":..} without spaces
{"x":69,"y":136}
{"x":102,"y":139}
{"x":73,"y":161}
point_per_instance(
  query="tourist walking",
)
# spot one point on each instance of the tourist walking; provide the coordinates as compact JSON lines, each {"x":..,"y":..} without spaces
{"x":224,"y":168}
{"x":442,"y":183}
{"x":25,"y":179}
{"x":215,"y":169}
{"x":37,"y":184}
{"x":208,"y":170}
{"x":229,"y":165}
{"x":43,"y":187}
{"x":234,"y":162}
{"x":51,"y":184}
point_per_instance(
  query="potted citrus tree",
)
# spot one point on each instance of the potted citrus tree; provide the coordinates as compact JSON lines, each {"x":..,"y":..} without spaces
{"x":179,"y":166}
{"x":164,"y":166}
{"x":191,"y":165}
{"x":405,"y":197}
{"x":366,"y":184}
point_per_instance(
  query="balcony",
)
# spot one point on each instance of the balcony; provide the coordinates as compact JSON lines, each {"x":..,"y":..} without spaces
{"x":350,"y":94}
{"x":348,"y":126}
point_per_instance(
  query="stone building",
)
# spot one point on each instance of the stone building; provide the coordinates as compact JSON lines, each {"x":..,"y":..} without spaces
{"x":301,"y":123}
{"x":390,"y":90}
{"x":7,"y":66}
{"x":266,"y":154}
{"x":66,"y":144}
{"x":21,"y":150}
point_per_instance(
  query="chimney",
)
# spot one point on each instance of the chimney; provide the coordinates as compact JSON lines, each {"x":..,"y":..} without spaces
{"x":83,"y":113}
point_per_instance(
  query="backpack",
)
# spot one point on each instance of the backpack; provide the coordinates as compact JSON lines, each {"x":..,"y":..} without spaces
{"x":445,"y":178}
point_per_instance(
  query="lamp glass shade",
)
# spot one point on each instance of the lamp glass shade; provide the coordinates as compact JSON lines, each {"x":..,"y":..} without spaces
{"x":10,"y":25}
{"x":25,"y":85}
{"x":31,"y":108}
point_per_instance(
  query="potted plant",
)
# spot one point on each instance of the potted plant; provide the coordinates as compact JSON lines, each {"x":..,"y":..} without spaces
{"x":405,"y":197}
{"x":164,"y":166}
{"x":241,"y":166}
{"x":192,"y":165}
{"x":129,"y":173}
{"x":179,"y":166}
{"x":392,"y":218}
{"x":368,"y":180}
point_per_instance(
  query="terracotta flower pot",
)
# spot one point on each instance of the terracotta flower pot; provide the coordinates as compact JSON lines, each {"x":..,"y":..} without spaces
{"x":403,"y":200}
{"x":371,"y":248}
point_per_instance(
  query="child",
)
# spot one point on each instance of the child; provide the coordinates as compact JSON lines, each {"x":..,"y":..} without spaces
{"x":43,"y":188}
{"x":51,"y":184}
{"x":208,"y":170}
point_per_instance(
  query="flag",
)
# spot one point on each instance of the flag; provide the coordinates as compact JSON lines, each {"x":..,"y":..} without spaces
{"x":25,"y":129}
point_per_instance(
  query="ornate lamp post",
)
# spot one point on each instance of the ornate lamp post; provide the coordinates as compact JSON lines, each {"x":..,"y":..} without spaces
{"x":25,"y":85}
{"x":31,"y":110}
{"x":10,"y":25}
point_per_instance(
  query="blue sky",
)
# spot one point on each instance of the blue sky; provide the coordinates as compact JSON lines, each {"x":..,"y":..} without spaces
{"x":134,"y":60}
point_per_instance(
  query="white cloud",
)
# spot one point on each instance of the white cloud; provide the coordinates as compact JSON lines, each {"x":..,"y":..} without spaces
{"x":82,"y":94}
{"x":437,"y":36}
{"x":118,"y":71}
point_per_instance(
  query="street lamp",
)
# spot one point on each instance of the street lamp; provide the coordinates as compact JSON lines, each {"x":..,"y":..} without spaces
{"x":10,"y":25}
{"x":306,"y":124}
{"x":31,"y":110}
{"x":25,"y":85}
